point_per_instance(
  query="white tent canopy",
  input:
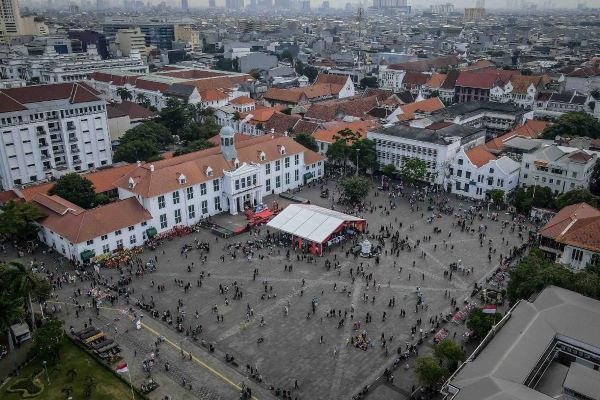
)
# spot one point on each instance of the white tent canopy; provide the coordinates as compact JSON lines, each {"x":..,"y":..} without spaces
{"x":310,"y":222}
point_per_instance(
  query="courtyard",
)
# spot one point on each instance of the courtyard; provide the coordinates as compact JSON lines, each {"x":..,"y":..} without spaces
{"x":272,"y":328}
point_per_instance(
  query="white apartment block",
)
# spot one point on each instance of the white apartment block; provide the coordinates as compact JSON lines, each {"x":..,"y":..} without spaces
{"x":560,"y":168}
{"x":436,"y":144}
{"x":47,"y":130}
{"x":52,"y":67}
{"x":473,"y":173}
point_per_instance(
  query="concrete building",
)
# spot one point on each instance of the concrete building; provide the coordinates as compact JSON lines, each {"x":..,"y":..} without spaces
{"x":124,"y":116}
{"x":187,"y":34}
{"x":193,"y":85}
{"x":52,"y":67}
{"x":157,"y":34}
{"x":473,"y":173}
{"x":34,"y":26}
{"x":544,"y":348}
{"x":495,"y":118}
{"x":436,"y":144}
{"x":557,"y":167}
{"x":257,"y":61}
{"x":10,"y":20}
{"x":131,"y":41}
{"x":570,"y":237}
{"x":51,"y":129}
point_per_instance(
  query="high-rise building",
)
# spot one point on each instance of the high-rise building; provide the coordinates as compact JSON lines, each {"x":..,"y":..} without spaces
{"x":184,"y":5}
{"x":480,"y":4}
{"x":10,"y":20}
{"x":396,"y":4}
{"x":212,"y":4}
{"x":304,"y":5}
{"x":49,"y":129}
{"x":234,"y":4}
{"x":130,"y":40}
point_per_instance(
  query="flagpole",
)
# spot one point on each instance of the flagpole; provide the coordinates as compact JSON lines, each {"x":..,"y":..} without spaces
{"x":130,"y":384}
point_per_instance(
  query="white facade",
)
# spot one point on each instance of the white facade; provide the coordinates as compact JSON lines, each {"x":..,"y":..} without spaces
{"x":505,"y":94}
{"x":54,"y":68}
{"x":125,"y":238}
{"x":391,"y":78}
{"x":393,"y":149}
{"x":52,"y":137}
{"x":467,"y":179}
{"x":559,"y":168}
{"x":577,"y":257}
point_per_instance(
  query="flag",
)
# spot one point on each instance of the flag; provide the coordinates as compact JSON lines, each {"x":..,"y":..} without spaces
{"x":122,"y":368}
{"x":490,"y":309}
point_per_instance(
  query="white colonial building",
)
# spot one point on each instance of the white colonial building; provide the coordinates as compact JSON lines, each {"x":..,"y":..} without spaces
{"x":436,"y":145}
{"x":473,"y":173}
{"x":179,"y":191}
{"x":559,"y":168}
{"x":52,"y":67}
{"x":47,"y":130}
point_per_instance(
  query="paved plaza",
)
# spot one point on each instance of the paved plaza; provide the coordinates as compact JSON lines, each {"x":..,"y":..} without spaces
{"x":300,"y":346}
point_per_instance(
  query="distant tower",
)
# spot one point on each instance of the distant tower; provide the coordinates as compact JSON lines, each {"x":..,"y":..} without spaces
{"x":480,"y":4}
{"x":184,"y":5}
{"x":227,"y":135}
{"x":212,"y":4}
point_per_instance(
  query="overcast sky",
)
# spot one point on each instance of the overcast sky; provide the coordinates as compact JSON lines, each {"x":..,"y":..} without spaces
{"x":426,"y":3}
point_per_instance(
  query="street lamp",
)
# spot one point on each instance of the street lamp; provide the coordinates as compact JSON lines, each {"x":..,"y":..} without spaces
{"x":46,"y":369}
{"x":357,"y":151}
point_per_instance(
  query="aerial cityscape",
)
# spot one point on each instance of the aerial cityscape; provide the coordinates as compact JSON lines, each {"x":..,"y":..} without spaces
{"x":296,"y":199}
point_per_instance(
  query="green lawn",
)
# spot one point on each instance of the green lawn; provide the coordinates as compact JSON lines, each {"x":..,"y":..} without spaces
{"x":108,"y":387}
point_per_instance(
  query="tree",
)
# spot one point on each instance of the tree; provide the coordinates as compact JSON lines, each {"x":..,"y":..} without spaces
{"x":355,"y":188}
{"x":435,"y":93}
{"x":449,"y":352}
{"x":574,"y":124}
{"x":18,"y":220}
{"x":307,"y":140}
{"x":143,"y":142}
{"x":575,"y":196}
{"x":595,"y":94}
{"x":76,"y":189}
{"x":71,"y":374}
{"x":595,"y":180}
{"x":481,"y":323}
{"x":24,"y":283}
{"x":413,"y":170}
{"x":47,"y":341}
{"x":136,"y":150}
{"x":124,"y":94}
{"x":142,"y":100}
{"x":389,"y":170}
{"x":338,"y":151}
{"x":524,"y":198}
{"x":497,"y":197}
{"x":89,"y":384}
{"x":11,"y":311}
{"x":196,"y":145}
{"x":369,"y":82}
{"x":429,"y":373}
{"x":286,"y":55}
{"x":174,"y":116}
{"x":255,"y":73}
{"x":367,"y":154}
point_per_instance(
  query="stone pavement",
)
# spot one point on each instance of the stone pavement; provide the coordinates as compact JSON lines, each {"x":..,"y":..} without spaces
{"x":292,"y":349}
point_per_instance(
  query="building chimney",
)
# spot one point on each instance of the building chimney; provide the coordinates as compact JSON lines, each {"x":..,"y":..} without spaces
{"x":139,"y":163}
{"x":151,"y":167}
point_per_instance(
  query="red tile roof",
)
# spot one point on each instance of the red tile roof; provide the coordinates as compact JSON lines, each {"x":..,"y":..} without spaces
{"x":15,"y":99}
{"x":576,"y":225}
{"x":79,"y":225}
{"x":486,"y":79}
{"x":331,"y":129}
{"x":429,"y":105}
{"x":479,"y":156}
{"x":133,"y":110}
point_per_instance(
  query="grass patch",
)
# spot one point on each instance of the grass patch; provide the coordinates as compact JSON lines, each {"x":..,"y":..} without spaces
{"x":107,"y":385}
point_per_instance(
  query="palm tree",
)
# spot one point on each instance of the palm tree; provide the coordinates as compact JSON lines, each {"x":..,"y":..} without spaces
{"x":23,"y":283}
{"x":124,"y":94}
{"x":11,"y":310}
{"x":236,"y":119}
{"x":142,"y":99}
